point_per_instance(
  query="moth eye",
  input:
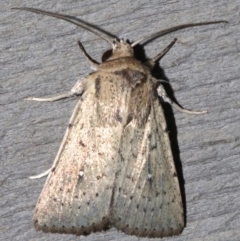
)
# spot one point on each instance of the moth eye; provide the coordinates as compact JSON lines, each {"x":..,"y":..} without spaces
{"x":106,"y":55}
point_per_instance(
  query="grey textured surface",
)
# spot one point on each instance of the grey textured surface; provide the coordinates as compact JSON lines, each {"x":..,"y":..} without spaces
{"x":40,"y":56}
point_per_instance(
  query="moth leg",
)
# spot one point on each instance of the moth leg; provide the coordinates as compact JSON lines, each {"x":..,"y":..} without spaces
{"x":162,"y":93}
{"x":51,"y":99}
{"x":78,"y":89}
{"x":43,"y":174}
{"x":90,"y":60}
{"x":52,"y":168}
{"x":151,"y":62}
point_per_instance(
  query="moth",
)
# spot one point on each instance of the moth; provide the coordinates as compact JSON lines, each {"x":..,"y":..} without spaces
{"x":115,"y":166}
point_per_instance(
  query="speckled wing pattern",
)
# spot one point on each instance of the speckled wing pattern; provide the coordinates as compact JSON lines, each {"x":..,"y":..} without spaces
{"x":147,"y":200}
{"x":115,"y":168}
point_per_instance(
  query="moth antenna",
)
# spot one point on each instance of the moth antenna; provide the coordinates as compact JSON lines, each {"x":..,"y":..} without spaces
{"x":67,"y":18}
{"x":92,"y":62}
{"x":172,"y":29}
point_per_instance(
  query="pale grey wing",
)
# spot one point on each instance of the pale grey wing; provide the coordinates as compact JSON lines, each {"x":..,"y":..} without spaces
{"x":77,"y":194}
{"x":147,"y":199}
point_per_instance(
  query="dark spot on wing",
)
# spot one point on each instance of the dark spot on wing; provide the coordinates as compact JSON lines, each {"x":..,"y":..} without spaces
{"x":118,"y":116}
{"x":129,"y":118}
{"x":81,"y":143}
{"x":97,"y":87}
{"x":132,"y":76}
{"x":153,"y":147}
{"x":112,"y":197}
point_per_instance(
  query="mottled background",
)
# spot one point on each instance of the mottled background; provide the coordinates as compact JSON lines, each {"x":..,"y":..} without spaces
{"x":40,"y":56}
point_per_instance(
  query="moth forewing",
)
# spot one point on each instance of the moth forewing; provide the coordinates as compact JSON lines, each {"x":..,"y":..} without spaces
{"x":115,"y":165}
{"x":147,"y":195}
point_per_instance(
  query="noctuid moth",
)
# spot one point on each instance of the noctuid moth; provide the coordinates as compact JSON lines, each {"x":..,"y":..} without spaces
{"x":115,"y":166}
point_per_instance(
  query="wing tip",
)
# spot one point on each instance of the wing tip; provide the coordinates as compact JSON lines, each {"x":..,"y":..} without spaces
{"x":64,"y":229}
{"x":86,"y":230}
{"x":152,"y":233}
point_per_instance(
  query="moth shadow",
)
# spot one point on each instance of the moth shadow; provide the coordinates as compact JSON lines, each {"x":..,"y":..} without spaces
{"x":159,"y":74}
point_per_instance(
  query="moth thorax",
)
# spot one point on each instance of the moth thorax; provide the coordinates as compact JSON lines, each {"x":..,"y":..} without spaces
{"x":121,"y":49}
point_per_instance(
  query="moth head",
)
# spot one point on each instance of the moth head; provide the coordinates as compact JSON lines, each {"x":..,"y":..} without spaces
{"x":121,"y":49}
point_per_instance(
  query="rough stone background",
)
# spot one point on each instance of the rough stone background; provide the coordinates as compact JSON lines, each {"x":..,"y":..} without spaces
{"x":40,"y":56}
